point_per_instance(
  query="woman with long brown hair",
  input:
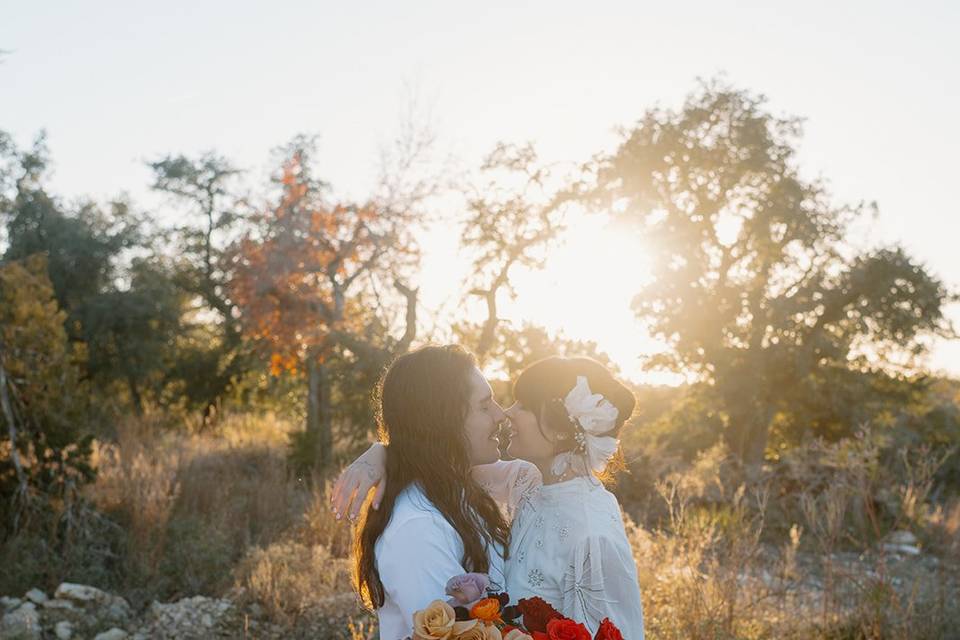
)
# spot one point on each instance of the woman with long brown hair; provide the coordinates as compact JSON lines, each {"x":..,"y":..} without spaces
{"x":437,"y":413}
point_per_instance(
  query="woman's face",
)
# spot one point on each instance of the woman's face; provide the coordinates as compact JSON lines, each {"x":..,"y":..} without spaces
{"x":482,"y":426}
{"x":526,"y":440}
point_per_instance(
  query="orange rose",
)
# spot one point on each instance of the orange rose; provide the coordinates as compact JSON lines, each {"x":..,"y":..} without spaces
{"x":487,"y":610}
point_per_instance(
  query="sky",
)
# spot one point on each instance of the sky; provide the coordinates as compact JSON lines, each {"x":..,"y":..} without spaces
{"x":117,"y":83}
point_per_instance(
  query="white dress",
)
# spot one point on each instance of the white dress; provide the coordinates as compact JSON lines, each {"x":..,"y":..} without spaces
{"x":568,"y":546}
{"x":417,"y":553}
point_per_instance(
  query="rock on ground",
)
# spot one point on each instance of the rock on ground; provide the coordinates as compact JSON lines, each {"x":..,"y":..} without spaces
{"x":63,"y":630}
{"x":82,"y":612}
{"x":112,"y":607}
{"x":22,"y":622}
{"x":197,"y":617}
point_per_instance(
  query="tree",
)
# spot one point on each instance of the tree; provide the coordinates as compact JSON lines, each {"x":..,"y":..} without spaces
{"x":513,"y":218}
{"x":755,"y":288}
{"x":206,"y":367}
{"x":306,"y":283}
{"x":81,"y":245}
{"x":127,"y":316}
{"x":132,"y":332}
{"x":46,"y":449}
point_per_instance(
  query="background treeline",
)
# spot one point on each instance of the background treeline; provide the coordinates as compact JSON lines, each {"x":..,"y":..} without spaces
{"x":202,"y":356}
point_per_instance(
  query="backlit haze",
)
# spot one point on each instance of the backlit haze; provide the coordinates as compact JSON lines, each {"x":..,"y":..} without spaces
{"x":117,"y":83}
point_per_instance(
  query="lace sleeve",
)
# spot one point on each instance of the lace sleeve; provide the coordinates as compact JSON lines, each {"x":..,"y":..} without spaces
{"x":507,"y":482}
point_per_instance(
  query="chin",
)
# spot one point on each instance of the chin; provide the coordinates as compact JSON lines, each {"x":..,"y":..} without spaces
{"x":489,"y":458}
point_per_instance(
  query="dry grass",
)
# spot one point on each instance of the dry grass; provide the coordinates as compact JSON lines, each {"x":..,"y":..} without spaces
{"x":290,"y":578}
{"x":218,"y":513}
{"x":711,"y":570}
{"x":191,"y":504}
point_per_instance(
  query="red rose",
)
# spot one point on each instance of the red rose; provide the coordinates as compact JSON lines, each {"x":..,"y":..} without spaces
{"x":566,"y":629}
{"x":539,"y":635}
{"x":537,"y":613}
{"x":608,"y":631}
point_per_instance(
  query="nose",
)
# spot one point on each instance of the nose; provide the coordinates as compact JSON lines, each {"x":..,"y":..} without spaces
{"x":499,"y":414}
{"x":512,"y":410}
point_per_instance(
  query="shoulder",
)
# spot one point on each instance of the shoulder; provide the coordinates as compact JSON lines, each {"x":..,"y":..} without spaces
{"x":610,"y":511}
{"x":516,"y":465}
{"x":596,"y":513}
{"x":505,"y":473}
{"x":414,"y":516}
{"x":417,"y":530}
{"x":525,"y":472}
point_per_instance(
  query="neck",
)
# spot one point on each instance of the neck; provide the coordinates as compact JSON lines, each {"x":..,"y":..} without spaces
{"x":545,"y":465}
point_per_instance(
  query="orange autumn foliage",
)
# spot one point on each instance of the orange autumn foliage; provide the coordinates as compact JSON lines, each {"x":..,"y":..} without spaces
{"x":297,"y":273}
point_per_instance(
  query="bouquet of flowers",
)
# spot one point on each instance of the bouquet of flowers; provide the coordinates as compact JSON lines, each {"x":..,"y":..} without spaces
{"x":474,"y":611}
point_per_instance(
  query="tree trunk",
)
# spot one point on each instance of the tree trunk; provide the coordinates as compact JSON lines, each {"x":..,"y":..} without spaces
{"x":319,"y":411}
{"x":747,"y":433}
{"x":410,"y":330}
{"x":488,"y":333}
{"x":135,"y":396}
{"x":6,"y":407}
{"x":756,"y":445}
{"x":210,"y":413}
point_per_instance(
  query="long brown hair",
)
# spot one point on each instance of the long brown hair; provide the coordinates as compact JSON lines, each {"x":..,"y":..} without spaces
{"x":423,"y":401}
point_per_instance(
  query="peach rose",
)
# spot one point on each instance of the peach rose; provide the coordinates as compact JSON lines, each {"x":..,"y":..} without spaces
{"x":516,"y":634}
{"x":438,"y":622}
{"x":480,"y":632}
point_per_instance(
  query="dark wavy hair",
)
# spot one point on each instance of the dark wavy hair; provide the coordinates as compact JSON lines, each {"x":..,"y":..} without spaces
{"x":423,"y":401}
{"x":542,"y":386}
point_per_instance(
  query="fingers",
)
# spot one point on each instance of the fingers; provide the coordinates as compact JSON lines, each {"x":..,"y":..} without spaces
{"x":348,"y":509}
{"x":363,"y":489}
{"x":350,"y":491}
{"x":342,"y":494}
{"x":378,"y":496}
{"x":335,"y":492}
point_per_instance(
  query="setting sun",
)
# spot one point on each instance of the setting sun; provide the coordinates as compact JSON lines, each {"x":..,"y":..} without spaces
{"x":585,"y":289}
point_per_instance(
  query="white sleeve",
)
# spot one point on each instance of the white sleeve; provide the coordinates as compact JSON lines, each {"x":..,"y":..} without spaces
{"x":507,"y":481}
{"x":416,"y":561}
{"x":601,"y":582}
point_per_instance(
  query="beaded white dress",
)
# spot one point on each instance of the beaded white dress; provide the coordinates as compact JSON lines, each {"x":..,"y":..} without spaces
{"x":567,"y":545}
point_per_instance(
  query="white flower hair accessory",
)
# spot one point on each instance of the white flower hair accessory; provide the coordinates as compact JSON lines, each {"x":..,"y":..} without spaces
{"x":593,"y":415}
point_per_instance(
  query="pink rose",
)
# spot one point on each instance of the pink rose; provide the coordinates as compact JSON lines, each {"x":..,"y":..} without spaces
{"x":467,"y":588}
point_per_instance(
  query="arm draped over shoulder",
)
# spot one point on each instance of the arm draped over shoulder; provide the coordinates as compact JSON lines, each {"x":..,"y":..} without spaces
{"x":507,"y":481}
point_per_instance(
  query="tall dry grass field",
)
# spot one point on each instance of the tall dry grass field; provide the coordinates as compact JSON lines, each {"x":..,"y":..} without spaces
{"x":178,"y":513}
